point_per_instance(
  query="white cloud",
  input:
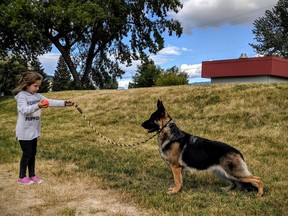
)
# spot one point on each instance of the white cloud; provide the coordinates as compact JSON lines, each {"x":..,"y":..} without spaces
{"x":49,"y":62}
{"x":167,"y":54}
{"x":124,"y":83}
{"x":215,"y":13}
{"x":170,"y":50}
{"x":173,"y":50}
{"x":193,"y":70}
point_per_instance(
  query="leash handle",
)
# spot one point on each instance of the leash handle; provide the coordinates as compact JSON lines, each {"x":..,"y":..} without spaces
{"x":105,"y":138}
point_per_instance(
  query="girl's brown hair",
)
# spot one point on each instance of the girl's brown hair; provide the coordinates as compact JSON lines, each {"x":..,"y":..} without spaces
{"x":27,"y":79}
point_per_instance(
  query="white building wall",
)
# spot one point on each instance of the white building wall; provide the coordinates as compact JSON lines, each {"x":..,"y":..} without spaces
{"x":248,"y":79}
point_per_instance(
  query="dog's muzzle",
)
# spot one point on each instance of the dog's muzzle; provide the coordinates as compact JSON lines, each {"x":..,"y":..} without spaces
{"x":150,"y":128}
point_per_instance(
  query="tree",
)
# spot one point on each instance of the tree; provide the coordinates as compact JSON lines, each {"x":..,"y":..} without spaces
{"x":36,"y":66}
{"x":88,"y":34}
{"x":146,"y":75}
{"x":11,"y":70}
{"x":172,"y":76}
{"x":102,"y":80}
{"x":271,"y":31}
{"x":62,"y":77}
{"x":19,"y":36}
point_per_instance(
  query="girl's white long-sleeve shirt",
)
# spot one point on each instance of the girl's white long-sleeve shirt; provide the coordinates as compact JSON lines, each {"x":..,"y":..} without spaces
{"x":28,"y":124}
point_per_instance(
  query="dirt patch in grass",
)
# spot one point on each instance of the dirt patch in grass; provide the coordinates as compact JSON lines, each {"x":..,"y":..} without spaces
{"x":64,"y":192}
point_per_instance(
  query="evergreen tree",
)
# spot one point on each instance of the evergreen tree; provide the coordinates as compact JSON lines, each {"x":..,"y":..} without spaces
{"x":103,"y":80}
{"x":10,"y":74}
{"x":271,"y":31}
{"x":62,"y":77}
{"x":37,"y":67}
{"x":146,"y":75}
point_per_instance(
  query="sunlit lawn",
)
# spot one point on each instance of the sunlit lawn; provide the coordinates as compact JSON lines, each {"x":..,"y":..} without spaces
{"x":251,"y":117}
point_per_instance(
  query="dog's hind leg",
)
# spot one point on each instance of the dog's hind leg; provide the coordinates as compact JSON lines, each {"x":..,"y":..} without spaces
{"x":177,"y":175}
{"x":231,"y":186}
{"x":219,"y":173}
{"x":236,"y":168}
{"x":256,"y":181}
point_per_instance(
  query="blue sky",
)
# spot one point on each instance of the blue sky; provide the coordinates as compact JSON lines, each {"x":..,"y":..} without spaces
{"x":212,"y":30}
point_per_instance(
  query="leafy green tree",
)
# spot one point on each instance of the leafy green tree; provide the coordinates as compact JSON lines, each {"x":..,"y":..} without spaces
{"x":271,"y":31}
{"x":11,"y":70}
{"x":62,"y":77}
{"x":36,"y":66}
{"x":172,"y":76}
{"x":19,"y":34}
{"x":87,"y":33}
{"x":146,"y":75}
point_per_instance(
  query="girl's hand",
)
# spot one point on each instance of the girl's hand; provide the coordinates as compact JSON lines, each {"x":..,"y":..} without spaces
{"x":43,"y":104}
{"x":69,"y":103}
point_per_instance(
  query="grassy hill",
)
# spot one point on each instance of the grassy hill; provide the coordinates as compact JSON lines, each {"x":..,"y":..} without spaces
{"x":250,"y":117}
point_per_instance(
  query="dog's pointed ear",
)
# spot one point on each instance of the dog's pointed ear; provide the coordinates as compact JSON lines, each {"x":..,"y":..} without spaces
{"x":160,"y":105}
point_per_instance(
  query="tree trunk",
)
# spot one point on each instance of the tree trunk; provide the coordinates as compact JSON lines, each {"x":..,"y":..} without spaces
{"x":65,"y":53}
{"x":72,"y":68}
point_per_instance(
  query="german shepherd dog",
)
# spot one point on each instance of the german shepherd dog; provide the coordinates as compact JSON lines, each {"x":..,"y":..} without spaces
{"x":183,"y":151}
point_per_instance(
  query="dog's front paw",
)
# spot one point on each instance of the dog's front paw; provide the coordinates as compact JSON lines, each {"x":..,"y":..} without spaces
{"x":173,"y":190}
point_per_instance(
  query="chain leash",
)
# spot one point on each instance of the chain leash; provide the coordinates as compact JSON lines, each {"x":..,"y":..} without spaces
{"x":107,"y":139}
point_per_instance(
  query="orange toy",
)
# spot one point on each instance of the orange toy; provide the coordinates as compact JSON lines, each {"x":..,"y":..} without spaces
{"x":45,"y":102}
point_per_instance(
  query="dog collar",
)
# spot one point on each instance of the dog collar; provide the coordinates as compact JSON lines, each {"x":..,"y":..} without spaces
{"x":167,"y":124}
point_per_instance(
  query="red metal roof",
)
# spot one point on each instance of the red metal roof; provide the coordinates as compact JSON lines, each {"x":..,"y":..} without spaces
{"x":258,"y":66}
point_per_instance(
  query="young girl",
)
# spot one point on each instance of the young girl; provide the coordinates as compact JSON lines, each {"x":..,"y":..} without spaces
{"x":29,"y":105}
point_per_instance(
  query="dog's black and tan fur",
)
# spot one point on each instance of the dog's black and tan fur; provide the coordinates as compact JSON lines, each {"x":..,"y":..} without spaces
{"x":185,"y":151}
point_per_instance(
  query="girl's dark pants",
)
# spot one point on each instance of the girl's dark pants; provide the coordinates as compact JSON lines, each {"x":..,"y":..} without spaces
{"x":29,"y":148}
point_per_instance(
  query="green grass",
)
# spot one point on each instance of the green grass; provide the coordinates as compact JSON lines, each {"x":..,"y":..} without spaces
{"x":251,"y":117}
